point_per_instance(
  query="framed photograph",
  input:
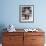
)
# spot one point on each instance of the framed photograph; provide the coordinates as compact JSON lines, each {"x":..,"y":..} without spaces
{"x":26,"y":13}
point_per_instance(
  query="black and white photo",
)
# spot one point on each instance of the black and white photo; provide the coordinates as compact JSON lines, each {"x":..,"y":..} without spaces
{"x":26,"y":13}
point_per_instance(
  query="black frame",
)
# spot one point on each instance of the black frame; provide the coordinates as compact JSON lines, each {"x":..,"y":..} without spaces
{"x":20,"y":13}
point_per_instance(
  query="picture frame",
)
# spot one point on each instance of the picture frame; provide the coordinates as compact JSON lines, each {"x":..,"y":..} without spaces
{"x":26,"y":13}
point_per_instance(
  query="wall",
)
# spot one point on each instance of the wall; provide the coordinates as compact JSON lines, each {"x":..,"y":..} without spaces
{"x":9,"y":13}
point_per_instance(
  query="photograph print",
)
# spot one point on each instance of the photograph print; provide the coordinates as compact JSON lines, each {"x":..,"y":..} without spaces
{"x":26,"y":13}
